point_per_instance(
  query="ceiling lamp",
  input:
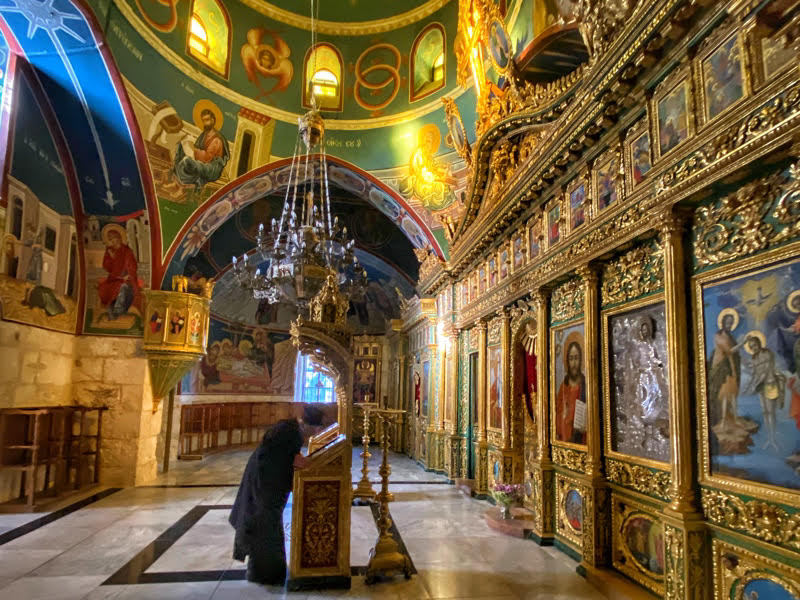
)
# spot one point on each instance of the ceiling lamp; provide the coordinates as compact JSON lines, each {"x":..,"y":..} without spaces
{"x":294,"y":256}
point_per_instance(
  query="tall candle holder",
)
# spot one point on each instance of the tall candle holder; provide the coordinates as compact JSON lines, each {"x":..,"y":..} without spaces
{"x":364,"y":491}
{"x":386,"y":557}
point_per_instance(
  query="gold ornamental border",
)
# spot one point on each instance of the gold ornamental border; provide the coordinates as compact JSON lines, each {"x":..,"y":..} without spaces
{"x":606,"y":316}
{"x":343,"y":28}
{"x":745,"y":267}
{"x":734,"y":567}
{"x":564,"y":529}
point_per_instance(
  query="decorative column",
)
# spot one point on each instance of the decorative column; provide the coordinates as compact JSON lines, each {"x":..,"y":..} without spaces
{"x":684,"y":529}
{"x":440,"y":432}
{"x":509,"y":460}
{"x":453,"y":445}
{"x":543,"y":474}
{"x":481,"y":444}
{"x":596,"y":522}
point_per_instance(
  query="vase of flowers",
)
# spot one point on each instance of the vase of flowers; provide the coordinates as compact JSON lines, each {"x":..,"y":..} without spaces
{"x":506,"y":495}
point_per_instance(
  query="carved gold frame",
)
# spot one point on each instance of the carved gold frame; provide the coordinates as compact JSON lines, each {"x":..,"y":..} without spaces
{"x":554,"y":384}
{"x":623,"y":510}
{"x":710,"y":45}
{"x":605,"y":159}
{"x":734,"y":567}
{"x":497,"y":431}
{"x":564,"y":529}
{"x":680,"y":76}
{"x":537,"y":221}
{"x":521,"y":235}
{"x":755,"y":38}
{"x":556,"y":201}
{"x":585,"y":180}
{"x":749,"y":266}
{"x":636,"y":131}
{"x":606,"y":316}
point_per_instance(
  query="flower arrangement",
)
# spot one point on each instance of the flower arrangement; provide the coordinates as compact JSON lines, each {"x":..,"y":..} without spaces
{"x":506,"y":494}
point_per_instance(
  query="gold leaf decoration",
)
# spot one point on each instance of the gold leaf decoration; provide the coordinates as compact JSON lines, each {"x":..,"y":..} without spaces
{"x":763,"y":520}
{"x":639,"y":478}
{"x":634,"y":274}
{"x":567,"y":300}
{"x":569,"y":459}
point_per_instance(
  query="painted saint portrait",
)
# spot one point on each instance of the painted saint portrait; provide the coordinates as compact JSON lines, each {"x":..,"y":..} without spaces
{"x":482,"y":279}
{"x":722,"y":77}
{"x":426,"y":384}
{"x":535,"y":236}
{"x":673,"y":118}
{"x":428,"y":180}
{"x":752,"y":348}
{"x":121,"y":289}
{"x":553,"y":231}
{"x":644,"y":539}
{"x":202,"y":161}
{"x":640,"y":157}
{"x":573,"y":509}
{"x":495,"y":356}
{"x":473,"y":284}
{"x":504,"y":263}
{"x":492,"y":272}
{"x":499,"y":45}
{"x":607,"y":183}
{"x":569,"y":384}
{"x":639,"y":383}
{"x":417,"y":393}
{"x":577,"y":196}
{"x":364,"y":380}
{"x":519,"y":252}
{"x":465,"y":293}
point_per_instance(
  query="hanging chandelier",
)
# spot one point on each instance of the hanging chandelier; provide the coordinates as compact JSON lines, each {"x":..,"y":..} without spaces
{"x":308,"y":242}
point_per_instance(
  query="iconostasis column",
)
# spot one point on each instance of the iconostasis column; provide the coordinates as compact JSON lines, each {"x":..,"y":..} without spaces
{"x":596,"y":508}
{"x":542,"y":473}
{"x":481,"y":444}
{"x":684,"y":528}
{"x":453,"y":444}
{"x":441,"y":400}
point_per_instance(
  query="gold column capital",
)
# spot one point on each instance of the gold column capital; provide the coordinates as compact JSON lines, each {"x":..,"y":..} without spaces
{"x":671,"y":222}
{"x":589,"y":273}
{"x":481,"y":325}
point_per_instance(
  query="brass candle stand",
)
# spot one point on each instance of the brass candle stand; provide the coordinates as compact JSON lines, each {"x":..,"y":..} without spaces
{"x":386,"y":557}
{"x":364,"y":491}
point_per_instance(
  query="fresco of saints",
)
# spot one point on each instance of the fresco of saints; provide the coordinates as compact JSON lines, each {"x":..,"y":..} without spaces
{"x":199,"y":163}
{"x":428,"y":180}
{"x":571,"y":396}
{"x":121,"y":288}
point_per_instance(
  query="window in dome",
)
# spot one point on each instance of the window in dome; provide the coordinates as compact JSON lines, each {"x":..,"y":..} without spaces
{"x":323,"y":78}
{"x":210,"y":35}
{"x":427,"y":62}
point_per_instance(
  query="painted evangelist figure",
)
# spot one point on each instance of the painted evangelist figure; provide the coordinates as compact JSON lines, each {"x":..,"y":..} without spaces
{"x":752,"y":342}
{"x":428,"y":180}
{"x":121,"y":289}
{"x":639,"y":383}
{"x":570,"y":399}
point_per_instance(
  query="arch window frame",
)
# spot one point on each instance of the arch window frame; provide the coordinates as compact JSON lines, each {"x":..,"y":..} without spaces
{"x":190,"y":35}
{"x":308,"y":82}
{"x":412,"y":96}
{"x":305,"y":390}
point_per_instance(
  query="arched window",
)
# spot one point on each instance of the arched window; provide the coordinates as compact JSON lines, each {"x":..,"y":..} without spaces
{"x":427,"y":62}
{"x":209,"y":39}
{"x":245,"y":151}
{"x":323,"y":71}
{"x":311,"y":383}
{"x":16,"y":218}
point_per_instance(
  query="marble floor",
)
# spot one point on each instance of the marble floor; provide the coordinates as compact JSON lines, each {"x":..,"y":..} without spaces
{"x":170,"y":541}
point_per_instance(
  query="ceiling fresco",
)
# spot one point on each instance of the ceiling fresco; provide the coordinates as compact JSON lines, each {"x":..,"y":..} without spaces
{"x":348,"y":11}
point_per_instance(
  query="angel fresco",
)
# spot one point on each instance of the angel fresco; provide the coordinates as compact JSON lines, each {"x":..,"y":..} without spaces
{"x":265,"y":60}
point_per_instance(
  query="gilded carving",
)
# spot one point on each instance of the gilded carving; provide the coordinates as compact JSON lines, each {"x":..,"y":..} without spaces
{"x":764,"y":520}
{"x":567,"y":301}
{"x":600,"y":21}
{"x":757,"y":216}
{"x":636,"y":273}
{"x":319,"y":532}
{"x":573,"y":514}
{"x":637,"y":543}
{"x":642,"y":479}
{"x":570,"y":459}
{"x":740,"y":573}
{"x":674,"y":574}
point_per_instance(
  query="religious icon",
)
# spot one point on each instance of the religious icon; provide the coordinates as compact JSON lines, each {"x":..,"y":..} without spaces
{"x":426,"y":380}
{"x":482,"y":279}
{"x":495,"y":387}
{"x":573,"y":509}
{"x":673,"y":118}
{"x":473,"y":294}
{"x":644,"y":539}
{"x":156,"y":322}
{"x":417,"y":393}
{"x":194,"y":328}
{"x":364,"y":384}
{"x":752,"y":345}
{"x":492,"y":272}
{"x":553,"y":218}
{"x":775,"y":56}
{"x":640,"y":157}
{"x":428,"y":180}
{"x":202,"y":161}
{"x":570,"y":382}
{"x":504,"y":263}
{"x":722,"y":77}
{"x":639,"y":383}
{"x":176,"y":322}
{"x":577,"y":197}
{"x":499,"y":46}
{"x":607,"y":182}
{"x":519,"y":251}
{"x":534,"y":238}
